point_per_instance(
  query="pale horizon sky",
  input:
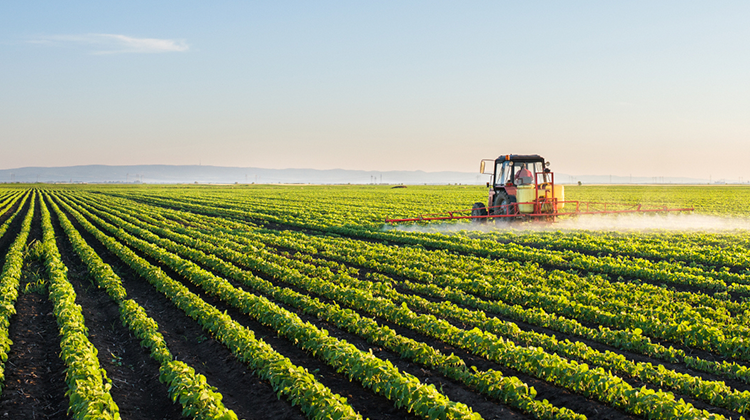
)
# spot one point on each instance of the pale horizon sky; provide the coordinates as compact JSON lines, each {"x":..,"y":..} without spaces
{"x":630,"y":88}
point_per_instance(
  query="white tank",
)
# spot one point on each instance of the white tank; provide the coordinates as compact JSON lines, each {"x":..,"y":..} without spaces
{"x":525,"y":194}
{"x":546,"y":192}
{"x":559,"y":196}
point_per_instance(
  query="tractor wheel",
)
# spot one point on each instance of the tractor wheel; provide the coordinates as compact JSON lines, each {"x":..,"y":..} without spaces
{"x":506,"y":202}
{"x":478,"y":209}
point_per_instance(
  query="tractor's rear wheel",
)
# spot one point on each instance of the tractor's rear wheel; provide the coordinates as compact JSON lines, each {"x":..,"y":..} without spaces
{"x":478,"y":209}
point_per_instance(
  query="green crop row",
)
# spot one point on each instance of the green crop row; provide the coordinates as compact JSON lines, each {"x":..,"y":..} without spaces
{"x":494,"y":250}
{"x":622,"y":339}
{"x":9,"y":281}
{"x":88,"y":385}
{"x":198,"y":399}
{"x":298,"y":385}
{"x":554,"y":260}
{"x":667,"y":319}
{"x":440,"y":269}
{"x":10,"y":199}
{"x":714,"y":392}
{"x":9,"y":220}
{"x":688,"y":248}
{"x":278,"y":211}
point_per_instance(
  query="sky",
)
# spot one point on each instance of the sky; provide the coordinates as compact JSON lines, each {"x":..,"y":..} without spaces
{"x":641,"y":88}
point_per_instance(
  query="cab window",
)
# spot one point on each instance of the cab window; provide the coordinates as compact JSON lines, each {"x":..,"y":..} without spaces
{"x":503,"y":173}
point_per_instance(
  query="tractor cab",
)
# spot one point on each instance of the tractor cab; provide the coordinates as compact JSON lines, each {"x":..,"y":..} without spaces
{"x":517,"y":184}
{"x":514,"y":170}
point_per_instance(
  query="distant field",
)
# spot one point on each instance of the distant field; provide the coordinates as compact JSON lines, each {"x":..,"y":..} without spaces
{"x":267,"y":301}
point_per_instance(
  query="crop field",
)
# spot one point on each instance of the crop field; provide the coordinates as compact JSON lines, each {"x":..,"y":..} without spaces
{"x":294,"y":302}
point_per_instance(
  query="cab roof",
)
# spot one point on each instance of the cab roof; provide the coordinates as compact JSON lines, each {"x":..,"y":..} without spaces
{"x":520,"y":158}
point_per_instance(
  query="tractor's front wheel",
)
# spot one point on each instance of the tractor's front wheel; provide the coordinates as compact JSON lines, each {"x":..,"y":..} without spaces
{"x":478,"y":209}
{"x":504,"y":205}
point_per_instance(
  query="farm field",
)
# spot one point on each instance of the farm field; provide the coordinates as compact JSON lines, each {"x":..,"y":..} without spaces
{"x":293,"y":302}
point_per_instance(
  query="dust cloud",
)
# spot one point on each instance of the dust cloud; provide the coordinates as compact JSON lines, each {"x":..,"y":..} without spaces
{"x":675,"y":222}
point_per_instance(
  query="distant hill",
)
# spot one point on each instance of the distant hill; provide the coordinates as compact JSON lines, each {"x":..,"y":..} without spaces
{"x":613,"y":179}
{"x":180,"y":174}
{"x":167,"y":174}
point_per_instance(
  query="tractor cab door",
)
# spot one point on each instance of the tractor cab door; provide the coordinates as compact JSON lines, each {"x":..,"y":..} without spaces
{"x":503,"y":173}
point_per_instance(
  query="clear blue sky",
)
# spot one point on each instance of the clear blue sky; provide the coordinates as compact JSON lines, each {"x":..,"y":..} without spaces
{"x":636,"y":88}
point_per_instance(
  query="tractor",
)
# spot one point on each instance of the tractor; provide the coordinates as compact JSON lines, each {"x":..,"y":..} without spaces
{"x":521,"y":185}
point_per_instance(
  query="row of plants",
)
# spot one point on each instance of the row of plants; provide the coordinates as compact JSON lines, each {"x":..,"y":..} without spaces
{"x":383,"y":201}
{"x":198,"y":399}
{"x":624,"y":339}
{"x":21,"y":199}
{"x":630,"y":340}
{"x":663,"y":271}
{"x":10,"y":280}
{"x":333,"y":205}
{"x":714,"y":392}
{"x":587,"y":299}
{"x":10,"y":199}
{"x":692,"y":249}
{"x":659,"y":272}
{"x":293,"y":382}
{"x":597,"y":298}
{"x":88,"y":386}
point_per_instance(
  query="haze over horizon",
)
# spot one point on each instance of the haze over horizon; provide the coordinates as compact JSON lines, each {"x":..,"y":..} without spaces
{"x":634,"y":88}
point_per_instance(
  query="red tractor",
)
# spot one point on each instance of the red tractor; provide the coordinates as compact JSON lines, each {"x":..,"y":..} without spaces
{"x":521,"y":186}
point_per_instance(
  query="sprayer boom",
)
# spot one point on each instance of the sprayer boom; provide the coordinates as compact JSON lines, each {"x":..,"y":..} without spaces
{"x":523,"y":187}
{"x":510,"y":211}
